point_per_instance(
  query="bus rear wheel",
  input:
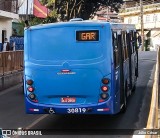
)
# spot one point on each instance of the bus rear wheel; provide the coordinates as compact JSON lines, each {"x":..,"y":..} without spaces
{"x":124,"y":107}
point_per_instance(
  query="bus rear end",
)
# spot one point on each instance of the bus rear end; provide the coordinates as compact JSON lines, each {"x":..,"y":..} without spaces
{"x":68,"y":69}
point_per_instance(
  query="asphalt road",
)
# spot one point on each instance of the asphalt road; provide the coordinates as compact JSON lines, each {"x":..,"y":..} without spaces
{"x":12,"y":111}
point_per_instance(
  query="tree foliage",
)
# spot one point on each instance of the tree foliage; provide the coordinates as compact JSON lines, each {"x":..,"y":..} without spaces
{"x":67,"y":9}
{"x":36,"y":20}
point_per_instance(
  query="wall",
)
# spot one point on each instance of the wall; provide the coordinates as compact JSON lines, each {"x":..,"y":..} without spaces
{"x":22,"y":9}
{"x":150,"y":20}
{"x":10,"y":80}
{"x":19,"y":42}
{"x":5,"y":24}
{"x":0,"y":46}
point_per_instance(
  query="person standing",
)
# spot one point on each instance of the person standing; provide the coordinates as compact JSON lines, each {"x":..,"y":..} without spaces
{"x":14,"y":46}
{"x":6,"y":45}
{"x":139,"y":41}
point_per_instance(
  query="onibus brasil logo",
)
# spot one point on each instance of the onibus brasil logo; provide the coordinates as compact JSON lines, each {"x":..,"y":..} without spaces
{"x":4,"y":133}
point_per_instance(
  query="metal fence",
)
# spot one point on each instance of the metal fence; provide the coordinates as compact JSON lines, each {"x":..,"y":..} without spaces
{"x":10,"y":62}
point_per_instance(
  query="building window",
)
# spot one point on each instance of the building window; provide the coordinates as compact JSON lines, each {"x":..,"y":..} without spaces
{"x":148,"y":19}
{"x":155,"y":18}
{"x":129,"y":20}
{"x":139,"y":19}
{"x":158,"y":17}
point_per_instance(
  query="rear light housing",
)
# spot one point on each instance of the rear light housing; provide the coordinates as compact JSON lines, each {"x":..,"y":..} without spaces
{"x":30,"y":89}
{"x":105,"y":81}
{"x":104,"y":96}
{"x":104,"y":88}
{"x":29,"y":82}
{"x":32,"y":96}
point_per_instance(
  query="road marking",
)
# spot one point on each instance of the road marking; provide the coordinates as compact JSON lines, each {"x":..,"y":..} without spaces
{"x":138,"y":136}
{"x":33,"y":124}
{"x":144,"y":59}
{"x":10,"y":89}
{"x":3,"y":92}
{"x":36,"y":121}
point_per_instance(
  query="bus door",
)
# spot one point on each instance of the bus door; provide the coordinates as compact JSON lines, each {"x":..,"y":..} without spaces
{"x":129,"y":45}
{"x":136,"y":51}
{"x":116,"y":62}
{"x":125,"y":58}
{"x":122,"y":58}
{"x":133,"y":56}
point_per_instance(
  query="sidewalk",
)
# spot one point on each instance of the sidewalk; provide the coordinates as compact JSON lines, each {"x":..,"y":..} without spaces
{"x":159,"y":110}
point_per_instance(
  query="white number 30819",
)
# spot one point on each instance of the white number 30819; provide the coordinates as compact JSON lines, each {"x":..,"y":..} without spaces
{"x":76,"y":110}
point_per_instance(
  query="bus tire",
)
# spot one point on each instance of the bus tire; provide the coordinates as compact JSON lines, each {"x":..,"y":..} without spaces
{"x":136,"y":72}
{"x":124,"y":108}
{"x":134,"y":87}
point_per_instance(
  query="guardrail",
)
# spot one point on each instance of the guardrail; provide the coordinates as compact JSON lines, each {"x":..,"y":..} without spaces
{"x":11,"y":61}
{"x":153,"y":114}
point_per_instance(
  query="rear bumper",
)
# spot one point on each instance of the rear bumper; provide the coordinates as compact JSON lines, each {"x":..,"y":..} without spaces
{"x":100,"y":108}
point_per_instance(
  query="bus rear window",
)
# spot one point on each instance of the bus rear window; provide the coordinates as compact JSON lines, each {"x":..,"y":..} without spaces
{"x":89,"y":35}
{"x":60,"y":44}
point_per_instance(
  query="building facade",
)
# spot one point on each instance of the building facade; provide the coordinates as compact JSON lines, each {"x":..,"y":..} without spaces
{"x":8,"y":12}
{"x":131,"y":13}
{"x":105,"y":13}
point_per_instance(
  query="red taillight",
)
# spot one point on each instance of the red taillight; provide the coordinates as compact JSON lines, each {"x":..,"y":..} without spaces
{"x":105,"y":109}
{"x":30,"y":89}
{"x":33,"y":110}
{"x":105,"y":81}
{"x":29,"y":82}
{"x":104,"y":88}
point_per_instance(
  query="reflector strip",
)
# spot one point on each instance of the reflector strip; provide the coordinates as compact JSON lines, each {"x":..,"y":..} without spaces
{"x":101,"y":100}
{"x":34,"y":110}
{"x":105,"y":109}
{"x":99,"y":109}
{"x":36,"y":101}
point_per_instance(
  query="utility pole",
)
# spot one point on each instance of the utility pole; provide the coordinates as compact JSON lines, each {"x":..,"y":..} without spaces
{"x":17,"y":8}
{"x":142,"y":24}
{"x":27,"y":11}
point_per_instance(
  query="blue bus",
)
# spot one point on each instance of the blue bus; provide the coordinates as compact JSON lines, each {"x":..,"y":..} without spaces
{"x":79,"y":67}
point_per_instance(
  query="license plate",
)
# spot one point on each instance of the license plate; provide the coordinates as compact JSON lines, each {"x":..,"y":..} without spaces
{"x":68,"y":100}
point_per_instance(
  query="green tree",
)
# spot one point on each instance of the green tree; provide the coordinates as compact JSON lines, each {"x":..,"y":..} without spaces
{"x":36,"y":20}
{"x":67,"y":9}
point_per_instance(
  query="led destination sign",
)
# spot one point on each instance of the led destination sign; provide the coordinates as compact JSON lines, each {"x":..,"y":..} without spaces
{"x":89,"y":35}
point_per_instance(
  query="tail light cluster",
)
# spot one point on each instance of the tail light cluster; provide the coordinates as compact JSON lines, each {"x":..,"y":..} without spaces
{"x":31,"y":89}
{"x":104,"y":95}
